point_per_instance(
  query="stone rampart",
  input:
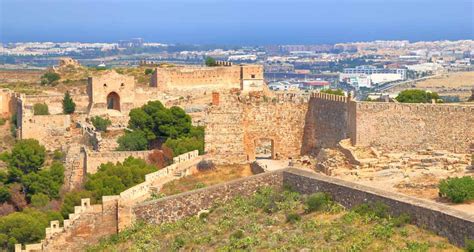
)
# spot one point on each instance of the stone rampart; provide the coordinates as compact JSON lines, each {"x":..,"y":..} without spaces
{"x":8,"y":102}
{"x":89,"y":223}
{"x":209,"y":78}
{"x":52,"y":131}
{"x":186,"y":204}
{"x":397,"y":126}
{"x":443,"y":220}
{"x":55,"y":102}
{"x":237,"y":123}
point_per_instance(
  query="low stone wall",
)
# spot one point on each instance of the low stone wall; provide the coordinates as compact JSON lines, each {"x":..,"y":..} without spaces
{"x":95,"y":159}
{"x":186,"y":204}
{"x":52,"y":131}
{"x":444,"y":221}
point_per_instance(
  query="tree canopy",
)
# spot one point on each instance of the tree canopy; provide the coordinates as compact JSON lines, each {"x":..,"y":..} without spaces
{"x":27,"y":155}
{"x":210,"y":62}
{"x":68,"y":104}
{"x":101,"y":124}
{"x":417,"y":96}
{"x":50,"y":78}
{"x":333,"y":91}
{"x":158,"y":124}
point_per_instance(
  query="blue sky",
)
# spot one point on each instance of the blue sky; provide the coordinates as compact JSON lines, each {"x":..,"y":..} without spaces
{"x":246,"y":22}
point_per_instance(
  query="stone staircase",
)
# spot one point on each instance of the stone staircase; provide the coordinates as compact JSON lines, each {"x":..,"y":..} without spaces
{"x":74,"y":164}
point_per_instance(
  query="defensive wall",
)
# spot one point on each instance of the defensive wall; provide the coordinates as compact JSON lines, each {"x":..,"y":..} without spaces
{"x":55,"y":102}
{"x":246,"y":77}
{"x":402,"y":126}
{"x":94,"y":159}
{"x":444,"y":221}
{"x":236,"y":123}
{"x":8,"y":102}
{"x":89,"y":223}
{"x":298,"y":127}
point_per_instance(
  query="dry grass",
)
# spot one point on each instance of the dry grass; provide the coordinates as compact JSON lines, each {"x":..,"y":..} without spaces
{"x":450,"y":80}
{"x":206,"y":178}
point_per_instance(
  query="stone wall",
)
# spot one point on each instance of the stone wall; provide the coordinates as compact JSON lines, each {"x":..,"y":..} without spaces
{"x":52,"y":131}
{"x":209,"y":78}
{"x":396,"y":126}
{"x":235,"y":125}
{"x":186,"y":204}
{"x":8,"y":103}
{"x":89,"y":223}
{"x":94,"y":159}
{"x":326,"y":123}
{"x":55,"y":102}
{"x":443,"y":220}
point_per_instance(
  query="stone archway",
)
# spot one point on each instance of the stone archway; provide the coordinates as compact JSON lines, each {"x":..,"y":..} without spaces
{"x":113,"y":101}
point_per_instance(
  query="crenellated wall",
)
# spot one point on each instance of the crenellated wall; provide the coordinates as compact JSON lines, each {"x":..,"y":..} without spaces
{"x":89,"y":223}
{"x":234,"y":126}
{"x":402,"y":126}
{"x":247,"y":77}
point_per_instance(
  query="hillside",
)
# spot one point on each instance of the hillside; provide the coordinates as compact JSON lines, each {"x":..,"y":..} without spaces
{"x":275,"y":220}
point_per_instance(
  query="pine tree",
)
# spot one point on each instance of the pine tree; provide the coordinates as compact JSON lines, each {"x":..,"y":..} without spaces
{"x":68,"y":104}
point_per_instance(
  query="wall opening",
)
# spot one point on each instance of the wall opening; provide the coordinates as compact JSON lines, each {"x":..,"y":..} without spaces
{"x":113,"y":101}
{"x":264,"y":148}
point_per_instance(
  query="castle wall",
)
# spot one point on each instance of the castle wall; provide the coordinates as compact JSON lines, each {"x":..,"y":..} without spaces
{"x":52,"y":131}
{"x":55,"y":102}
{"x":210,"y":78}
{"x":234,"y":126}
{"x":397,"y":126}
{"x":8,"y":103}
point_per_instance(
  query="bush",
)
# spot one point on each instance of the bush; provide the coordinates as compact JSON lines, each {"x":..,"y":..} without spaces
{"x":68,"y":104}
{"x":50,"y":78}
{"x":374,"y":210}
{"x":133,"y":141}
{"x":39,"y":200}
{"x":112,"y":179}
{"x":458,"y":190}
{"x":317,"y":202}
{"x":149,"y":71}
{"x":161,"y":158}
{"x":27,"y":155}
{"x":210,"y":62}
{"x":206,"y":165}
{"x":2,"y":121}
{"x":185,"y":144}
{"x":25,"y":227}
{"x":46,"y":181}
{"x":333,"y":91}
{"x":58,"y":155}
{"x":293,"y":218}
{"x":40,"y":109}
{"x":469,"y":245}
{"x":4,"y":194}
{"x":100,"y":123}
{"x":416,"y":96}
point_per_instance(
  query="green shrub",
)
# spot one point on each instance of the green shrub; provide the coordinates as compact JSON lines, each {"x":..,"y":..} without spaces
{"x":2,"y":121}
{"x":112,"y":179}
{"x":239,"y":234}
{"x":333,"y":91}
{"x":210,"y":62}
{"x":373,"y":210}
{"x":457,"y":190}
{"x":39,"y":200}
{"x":469,"y":245}
{"x":27,"y":155}
{"x":401,"y":220}
{"x":58,"y":155}
{"x":68,"y":104}
{"x":293,"y":217}
{"x":100,"y":123}
{"x":132,"y":141}
{"x":40,"y":109}
{"x":149,"y":71}
{"x":4,"y":194}
{"x":317,"y":202}
{"x":72,"y":199}
{"x":416,"y":96}
{"x":46,"y":181}
{"x":50,"y":78}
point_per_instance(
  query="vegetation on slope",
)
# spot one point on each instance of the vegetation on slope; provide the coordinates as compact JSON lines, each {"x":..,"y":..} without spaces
{"x":286,"y":221}
{"x":417,"y":96}
{"x":156,"y":124}
{"x":458,"y":190}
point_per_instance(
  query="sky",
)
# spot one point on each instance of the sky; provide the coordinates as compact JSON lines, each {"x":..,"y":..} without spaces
{"x":236,"y":22}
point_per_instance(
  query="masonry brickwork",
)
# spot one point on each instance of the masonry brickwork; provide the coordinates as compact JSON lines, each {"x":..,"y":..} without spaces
{"x":396,"y":126}
{"x":248,"y":77}
{"x":8,"y":102}
{"x":234,"y":127}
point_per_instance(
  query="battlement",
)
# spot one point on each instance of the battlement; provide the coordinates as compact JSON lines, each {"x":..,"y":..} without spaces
{"x":330,"y":97}
{"x":109,"y":208}
{"x":421,"y":107}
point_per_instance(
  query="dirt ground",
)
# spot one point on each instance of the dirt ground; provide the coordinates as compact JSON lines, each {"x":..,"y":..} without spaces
{"x":451,"y":84}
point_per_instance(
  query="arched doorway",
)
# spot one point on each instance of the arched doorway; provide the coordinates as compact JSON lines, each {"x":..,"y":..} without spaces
{"x":113,"y":101}
{"x":264,"y":148}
